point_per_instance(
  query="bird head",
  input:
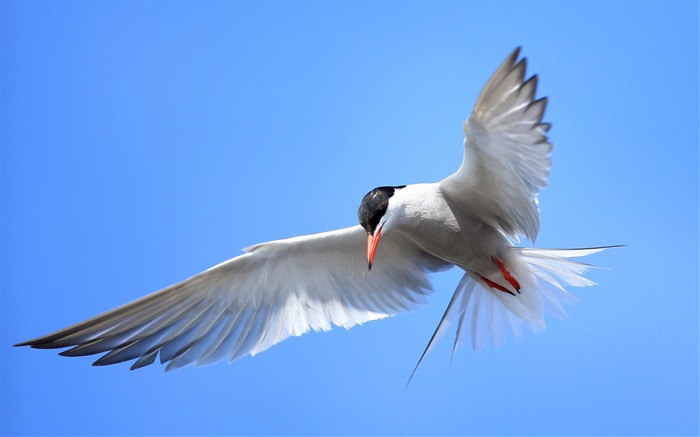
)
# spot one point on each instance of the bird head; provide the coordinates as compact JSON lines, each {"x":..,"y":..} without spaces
{"x":374,"y":214}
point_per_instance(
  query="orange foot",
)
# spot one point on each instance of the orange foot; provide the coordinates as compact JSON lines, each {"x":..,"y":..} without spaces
{"x":496,"y":286}
{"x":506,"y":274}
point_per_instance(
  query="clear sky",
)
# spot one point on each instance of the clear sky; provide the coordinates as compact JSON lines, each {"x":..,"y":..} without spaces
{"x":143,"y":142}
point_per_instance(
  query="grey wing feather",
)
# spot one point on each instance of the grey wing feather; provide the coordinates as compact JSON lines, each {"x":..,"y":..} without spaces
{"x":506,"y":153}
{"x":249,"y":303}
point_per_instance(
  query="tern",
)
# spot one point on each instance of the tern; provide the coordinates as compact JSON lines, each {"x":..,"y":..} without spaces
{"x":472,"y":220}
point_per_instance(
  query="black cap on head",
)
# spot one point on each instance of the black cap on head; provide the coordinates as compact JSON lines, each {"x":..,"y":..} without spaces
{"x":373,"y":207}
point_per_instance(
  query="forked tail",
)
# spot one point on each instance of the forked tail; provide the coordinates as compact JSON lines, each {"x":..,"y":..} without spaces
{"x":482,"y":313}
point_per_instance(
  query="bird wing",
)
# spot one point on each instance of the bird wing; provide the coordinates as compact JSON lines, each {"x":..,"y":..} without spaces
{"x":253,"y":301}
{"x":506,"y":153}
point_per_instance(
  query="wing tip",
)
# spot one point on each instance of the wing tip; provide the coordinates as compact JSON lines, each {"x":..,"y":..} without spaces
{"x":515,"y":54}
{"x":41,"y":343}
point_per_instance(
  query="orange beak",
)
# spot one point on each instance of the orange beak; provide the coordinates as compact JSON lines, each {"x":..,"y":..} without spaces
{"x":372,"y":241}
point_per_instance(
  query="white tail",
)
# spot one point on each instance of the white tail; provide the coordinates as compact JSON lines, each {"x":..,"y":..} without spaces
{"x":483,"y":313}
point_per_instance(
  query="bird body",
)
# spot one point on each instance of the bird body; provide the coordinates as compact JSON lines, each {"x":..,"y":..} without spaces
{"x":423,"y":214}
{"x":366,"y":272}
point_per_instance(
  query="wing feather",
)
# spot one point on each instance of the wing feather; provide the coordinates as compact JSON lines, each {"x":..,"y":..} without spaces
{"x":506,"y":153}
{"x":247,"y":304}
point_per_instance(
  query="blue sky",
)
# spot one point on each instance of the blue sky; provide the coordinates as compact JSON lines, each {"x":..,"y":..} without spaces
{"x":143,"y":142}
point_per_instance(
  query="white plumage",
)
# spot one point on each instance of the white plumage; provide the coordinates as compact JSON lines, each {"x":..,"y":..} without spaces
{"x":287,"y":287}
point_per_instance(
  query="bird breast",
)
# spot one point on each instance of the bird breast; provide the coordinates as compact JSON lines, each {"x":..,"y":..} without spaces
{"x":442,"y":229}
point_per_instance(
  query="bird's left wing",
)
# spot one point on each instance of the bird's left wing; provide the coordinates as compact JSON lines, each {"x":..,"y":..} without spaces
{"x":506,"y":153}
{"x":253,"y":301}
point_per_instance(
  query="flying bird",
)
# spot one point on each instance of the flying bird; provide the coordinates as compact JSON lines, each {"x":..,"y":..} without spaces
{"x":471,"y":220}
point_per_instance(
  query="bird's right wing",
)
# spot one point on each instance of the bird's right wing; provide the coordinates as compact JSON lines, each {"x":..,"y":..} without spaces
{"x":253,"y":301}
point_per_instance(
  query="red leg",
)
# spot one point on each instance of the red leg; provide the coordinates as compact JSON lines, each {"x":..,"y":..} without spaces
{"x":496,"y":286}
{"x":506,"y":274}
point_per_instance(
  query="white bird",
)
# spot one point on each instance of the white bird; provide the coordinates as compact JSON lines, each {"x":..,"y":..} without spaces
{"x":378,"y":268}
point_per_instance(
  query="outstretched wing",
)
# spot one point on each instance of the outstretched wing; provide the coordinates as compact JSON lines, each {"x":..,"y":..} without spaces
{"x":506,"y":153}
{"x":251,"y":302}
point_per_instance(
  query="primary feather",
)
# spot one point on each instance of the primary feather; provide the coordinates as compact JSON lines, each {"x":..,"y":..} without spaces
{"x":247,"y":304}
{"x":506,"y":153}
